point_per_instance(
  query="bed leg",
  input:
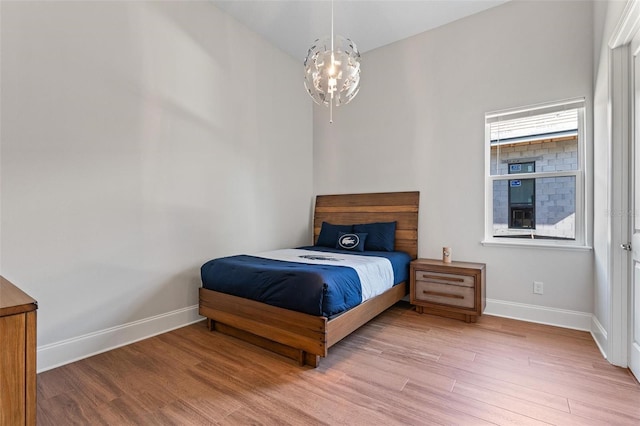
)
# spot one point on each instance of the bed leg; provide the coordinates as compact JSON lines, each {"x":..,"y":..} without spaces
{"x":312,"y":360}
{"x":210,"y":324}
{"x":305,"y":358}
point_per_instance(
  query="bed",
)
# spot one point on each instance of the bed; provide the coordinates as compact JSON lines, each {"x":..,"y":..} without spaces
{"x":306,"y":337}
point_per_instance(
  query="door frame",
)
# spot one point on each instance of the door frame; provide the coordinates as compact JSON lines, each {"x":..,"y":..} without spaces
{"x":620,"y":134}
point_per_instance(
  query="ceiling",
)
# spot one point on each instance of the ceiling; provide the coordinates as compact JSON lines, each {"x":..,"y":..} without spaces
{"x":293,"y":25}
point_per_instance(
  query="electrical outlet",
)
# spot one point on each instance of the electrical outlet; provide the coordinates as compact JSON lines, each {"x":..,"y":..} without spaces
{"x":538,"y":287}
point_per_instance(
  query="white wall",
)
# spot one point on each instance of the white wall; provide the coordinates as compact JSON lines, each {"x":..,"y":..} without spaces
{"x":418,"y":124}
{"x":138,"y":141}
{"x":601,"y":182}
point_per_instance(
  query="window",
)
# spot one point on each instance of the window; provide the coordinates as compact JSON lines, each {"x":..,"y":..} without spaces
{"x":535,"y":175}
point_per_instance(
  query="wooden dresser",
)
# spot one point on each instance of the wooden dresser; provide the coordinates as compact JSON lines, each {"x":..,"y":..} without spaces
{"x":17,"y":356}
{"x":455,"y":290}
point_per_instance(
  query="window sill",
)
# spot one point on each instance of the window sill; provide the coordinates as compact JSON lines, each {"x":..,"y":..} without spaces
{"x":537,"y":244}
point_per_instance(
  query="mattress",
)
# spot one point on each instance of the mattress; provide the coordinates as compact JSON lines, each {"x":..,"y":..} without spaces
{"x":318,"y":282}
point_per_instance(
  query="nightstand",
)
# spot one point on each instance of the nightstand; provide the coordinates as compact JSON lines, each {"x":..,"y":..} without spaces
{"x":454,"y":290}
{"x":17,"y":356}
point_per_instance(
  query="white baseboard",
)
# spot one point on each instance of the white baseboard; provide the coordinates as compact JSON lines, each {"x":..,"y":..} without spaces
{"x":539,"y":314}
{"x":66,"y":351}
{"x":599,"y":335}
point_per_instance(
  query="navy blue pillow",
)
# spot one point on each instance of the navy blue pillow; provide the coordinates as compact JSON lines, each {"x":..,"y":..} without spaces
{"x":381,"y":235}
{"x":329,"y":234}
{"x":351,"y":241}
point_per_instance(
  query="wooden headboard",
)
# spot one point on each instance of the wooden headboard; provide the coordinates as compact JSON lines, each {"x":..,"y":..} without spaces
{"x":348,"y":209}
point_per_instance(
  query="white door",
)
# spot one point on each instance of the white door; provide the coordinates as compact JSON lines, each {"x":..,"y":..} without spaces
{"x":634,"y":203}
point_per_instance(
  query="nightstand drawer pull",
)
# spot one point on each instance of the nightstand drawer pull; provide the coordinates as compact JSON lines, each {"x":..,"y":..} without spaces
{"x":437,"y":293}
{"x":450,"y":294}
{"x":441,"y":277}
{"x":445,"y":278}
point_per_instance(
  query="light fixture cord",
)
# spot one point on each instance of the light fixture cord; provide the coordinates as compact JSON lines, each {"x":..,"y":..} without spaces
{"x":332,"y":28}
{"x":332,"y":67}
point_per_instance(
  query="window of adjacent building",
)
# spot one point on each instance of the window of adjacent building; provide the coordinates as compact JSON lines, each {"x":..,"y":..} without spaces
{"x":535,"y":174}
{"x":522,"y":193}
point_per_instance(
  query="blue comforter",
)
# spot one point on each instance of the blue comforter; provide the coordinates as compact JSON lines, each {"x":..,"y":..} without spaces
{"x":325,"y":290}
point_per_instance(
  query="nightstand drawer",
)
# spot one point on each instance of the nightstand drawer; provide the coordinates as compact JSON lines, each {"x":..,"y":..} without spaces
{"x":445,"y":294}
{"x":444,"y":278}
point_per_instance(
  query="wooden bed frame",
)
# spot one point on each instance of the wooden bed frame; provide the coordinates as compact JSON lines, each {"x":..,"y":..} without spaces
{"x":303,"y":337}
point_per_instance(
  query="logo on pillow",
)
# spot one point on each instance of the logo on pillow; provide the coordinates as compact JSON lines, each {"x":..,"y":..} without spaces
{"x":348,"y":241}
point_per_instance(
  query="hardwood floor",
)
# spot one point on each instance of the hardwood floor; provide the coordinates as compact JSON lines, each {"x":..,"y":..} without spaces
{"x":401,"y":368}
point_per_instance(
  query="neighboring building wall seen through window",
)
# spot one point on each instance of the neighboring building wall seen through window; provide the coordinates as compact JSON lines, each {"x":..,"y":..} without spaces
{"x":535,"y":179}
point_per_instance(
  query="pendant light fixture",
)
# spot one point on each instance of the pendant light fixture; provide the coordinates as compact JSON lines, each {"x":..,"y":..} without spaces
{"x":332,"y":70}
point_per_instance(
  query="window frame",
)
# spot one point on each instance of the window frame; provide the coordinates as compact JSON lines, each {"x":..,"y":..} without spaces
{"x":579,"y":174}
